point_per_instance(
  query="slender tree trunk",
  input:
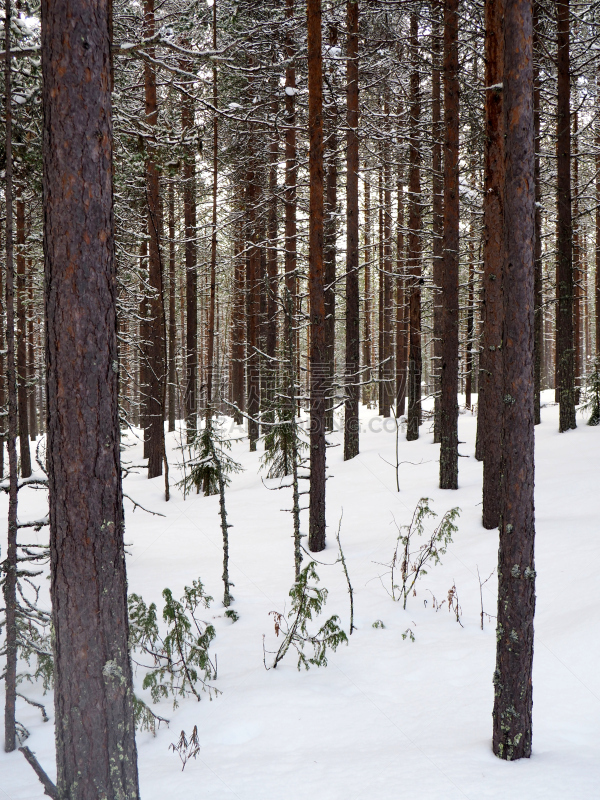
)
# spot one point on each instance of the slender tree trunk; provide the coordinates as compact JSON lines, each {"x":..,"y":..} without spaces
{"x":351,"y":423}
{"x":316,"y":533}
{"x":597,"y":242}
{"x":156,"y":349}
{"x":539,"y":330}
{"x":95,"y":735}
{"x":450,"y":308}
{"x":330,"y":233}
{"x":252,"y":301}
{"x":22,"y":342}
{"x":191,"y":270}
{"x":368,"y":322}
{"x":564,"y":245}
{"x":3,"y":370}
{"x":437,"y":191}
{"x":414,"y":239}
{"x":516,"y":570}
{"x":577,"y":273}
{"x":388,"y":350}
{"x":210,"y":366}
{"x":272,"y":267}
{"x":381,"y":342}
{"x":237,"y":316}
{"x":31,"y":367}
{"x":401,"y":329}
{"x":172,"y":318}
{"x":10,"y":564}
{"x":490,"y":383}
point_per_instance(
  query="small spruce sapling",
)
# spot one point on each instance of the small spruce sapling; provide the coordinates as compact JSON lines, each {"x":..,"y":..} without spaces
{"x":411,"y":562}
{"x":181,"y":664}
{"x":307,"y":603}
{"x":210,"y":469}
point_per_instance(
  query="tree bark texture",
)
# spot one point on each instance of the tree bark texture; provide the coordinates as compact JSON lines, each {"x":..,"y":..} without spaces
{"x":23,"y":410}
{"x":316,"y":533}
{"x":95,"y":736}
{"x":9,"y":566}
{"x":401,"y":321}
{"x":330,"y":231}
{"x":156,"y":345}
{"x":564,"y":245}
{"x":191,"y":271}
{"x":437,"y":200}
{"x":539,"y":308}
{"x":516,"y":572}
{"x":415,"y":363}
{"x":172,"y":319}
{"x":490,"y":383}
{"x":351,"y":422}
{"x":210,"y":360}
{"x":450,"y":310}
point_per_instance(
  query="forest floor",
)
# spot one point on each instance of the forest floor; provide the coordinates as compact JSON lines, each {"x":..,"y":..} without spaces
{"x":388,"y":717}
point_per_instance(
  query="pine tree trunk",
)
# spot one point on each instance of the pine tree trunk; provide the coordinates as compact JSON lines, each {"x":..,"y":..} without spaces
{"x":564,"y":245}
{"x":388,"y":350}
{"x":437,"y":222}
{"x":156,"y":349}
{"x":539,"y":310}
{"x":237,"y":322}
{"x":172,"y":319}
{"x":191,"y":271}
{"x":23,"y":410}
{"x":577,"y":273}
{"x":516,"y":572}
{"x":95,"y":737}
{"x":330,"y":234}
{"x":316,"y":533}
{"x":450,"y":308}
{"x":367,"y":375}
{"x":351,"y":421}
{"x":210,"y":362}
{"x":272,"y":267}
{"x":31,"y":367}
{"x":490,"y":384}
{"x":252,"y":310}
{"x":401,"y":329}
{"x":9,"y":566}
{"x":414,"y":240}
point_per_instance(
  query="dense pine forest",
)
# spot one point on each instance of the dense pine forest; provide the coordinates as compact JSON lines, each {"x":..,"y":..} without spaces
{"x":299,"y":347}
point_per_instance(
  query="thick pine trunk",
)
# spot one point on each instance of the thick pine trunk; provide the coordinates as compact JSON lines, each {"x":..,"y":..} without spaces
{"x":237,"y":321}
{"x":316,"y":532}
{"x":450,"y":309}
{"x":490,"y":376}
{"x":564,"y":245}
{"x":413,"y":259}
{"x":388,"y":349}
{"x":351,"y":422}
{"x":252,"y":307}
{"x":367,"y":374}
{"x":95,"y":735}
{"x":516,"y":572}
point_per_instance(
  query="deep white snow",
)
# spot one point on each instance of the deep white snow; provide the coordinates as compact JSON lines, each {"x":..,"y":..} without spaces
{"x":388,"y":718}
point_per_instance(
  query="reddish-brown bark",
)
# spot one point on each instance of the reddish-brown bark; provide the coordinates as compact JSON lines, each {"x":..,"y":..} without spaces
{"x":156,"y":350}
{"x":516,"y":570}
{"x":450,"y":309}
{"x":490,"y":374}
{"x":95,"y":736}
{"x":21,"y":333}
{"x":316,"y":532}
{"x":351,"y":422}
{"x":437,"y":222}
{"x":564,"y":239}
{"x":413,"y":259}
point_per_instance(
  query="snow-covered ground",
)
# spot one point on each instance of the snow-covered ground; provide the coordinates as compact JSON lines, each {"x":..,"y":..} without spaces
{"x":388,"y":717}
